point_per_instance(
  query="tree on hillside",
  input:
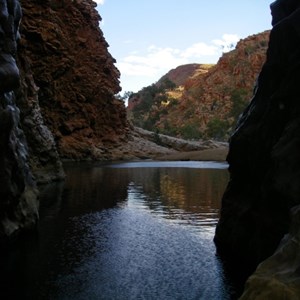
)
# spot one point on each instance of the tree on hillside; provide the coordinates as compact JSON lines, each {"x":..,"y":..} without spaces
{"x":147,"y":112}
{"x":166,"y":84}
{"x":126,"y":95}
{"x":239,"y":102}
{"x":217,"y":129}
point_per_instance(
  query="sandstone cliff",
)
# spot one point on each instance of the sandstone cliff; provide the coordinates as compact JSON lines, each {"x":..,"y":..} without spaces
{"x":74,"y":76}
{"x":264,"y":166}
{"x":206,"y":102}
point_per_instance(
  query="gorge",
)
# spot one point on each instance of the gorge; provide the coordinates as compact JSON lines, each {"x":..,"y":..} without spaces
{"x":57,"y":95}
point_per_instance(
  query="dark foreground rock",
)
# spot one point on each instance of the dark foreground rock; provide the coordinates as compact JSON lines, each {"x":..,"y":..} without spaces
{"x":18,"y":193}
{"x":278,"y":277}
{"x":264,"y":161}
{"x":28,"y":153}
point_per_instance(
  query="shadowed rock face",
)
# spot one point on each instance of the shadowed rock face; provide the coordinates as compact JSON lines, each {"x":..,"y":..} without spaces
{"x":10,"y":14}
{"x":278,"y":276}
{"x":44,"y":160}
{"x":18,"y":194}
{"x":264,"y":155}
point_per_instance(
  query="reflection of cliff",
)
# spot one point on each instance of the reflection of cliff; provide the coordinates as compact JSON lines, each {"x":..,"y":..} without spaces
{"x":181,"y":189}
{"x":174,"y":188}
{"x":264,"y":161}
{"x":98,"y":188}
{"x":65,"y":237}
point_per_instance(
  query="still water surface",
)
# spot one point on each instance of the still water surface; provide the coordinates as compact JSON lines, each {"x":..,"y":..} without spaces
{"x":125,"y":231}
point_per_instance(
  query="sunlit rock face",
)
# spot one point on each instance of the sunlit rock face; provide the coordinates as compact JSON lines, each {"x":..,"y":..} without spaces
{"x":75,"y":77}
{"x":264,"y":156}
{"x":18,"y":194}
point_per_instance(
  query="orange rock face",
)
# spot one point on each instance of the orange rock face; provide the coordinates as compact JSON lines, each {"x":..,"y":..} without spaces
{"x":207,"y":101}
{"x":75,"y":75}
{"x":213,"y":94}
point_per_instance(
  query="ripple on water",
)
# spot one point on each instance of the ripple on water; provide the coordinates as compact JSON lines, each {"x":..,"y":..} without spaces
{"x":125,"y":231}
{"x":138,"y":253}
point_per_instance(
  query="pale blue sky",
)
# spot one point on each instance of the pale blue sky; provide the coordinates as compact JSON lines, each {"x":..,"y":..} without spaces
{"x":148,"y":38}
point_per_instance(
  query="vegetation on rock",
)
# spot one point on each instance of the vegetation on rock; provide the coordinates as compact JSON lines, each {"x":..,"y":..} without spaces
{"x":202,"y":101}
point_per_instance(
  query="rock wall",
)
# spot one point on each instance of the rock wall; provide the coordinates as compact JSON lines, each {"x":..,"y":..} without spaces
{"x":264,"y":162}
{"x":18,"y":193}
{"x":74,"y":75}
{"x":214,"y":93}
{"x":56,"y":92}
{"x":44,"y":159}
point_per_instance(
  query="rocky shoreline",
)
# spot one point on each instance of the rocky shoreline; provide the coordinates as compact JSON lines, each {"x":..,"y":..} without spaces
{"x":218,"y":154}
{"x":143,"y":144}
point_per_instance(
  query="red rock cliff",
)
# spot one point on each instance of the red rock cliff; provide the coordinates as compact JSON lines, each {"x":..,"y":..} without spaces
{"x":75,"y":76}
{"x":210,"y":99}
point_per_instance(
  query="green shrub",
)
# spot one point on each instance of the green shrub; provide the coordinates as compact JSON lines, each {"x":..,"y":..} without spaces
{"x":190,"y":131}
{"x":239,"y":103}
{"x":217,"y":129}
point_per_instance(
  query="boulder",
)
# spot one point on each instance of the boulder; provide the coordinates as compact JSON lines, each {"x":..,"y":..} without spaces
{"x":278,"y":276}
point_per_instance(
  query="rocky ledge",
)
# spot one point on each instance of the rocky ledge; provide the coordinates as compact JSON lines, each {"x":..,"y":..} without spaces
{"x":144,"y":144}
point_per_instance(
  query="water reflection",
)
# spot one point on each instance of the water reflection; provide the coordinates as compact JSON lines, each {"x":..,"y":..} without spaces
{"x":125,"y":232}
{"x":181,"y":194}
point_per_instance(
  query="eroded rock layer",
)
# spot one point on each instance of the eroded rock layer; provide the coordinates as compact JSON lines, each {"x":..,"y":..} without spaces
{"x":75,"y":76}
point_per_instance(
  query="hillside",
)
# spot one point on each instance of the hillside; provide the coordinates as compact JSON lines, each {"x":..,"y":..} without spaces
{"x":180,"y":74}
{"x":175,"y":78}
{"x":207,"y":102}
